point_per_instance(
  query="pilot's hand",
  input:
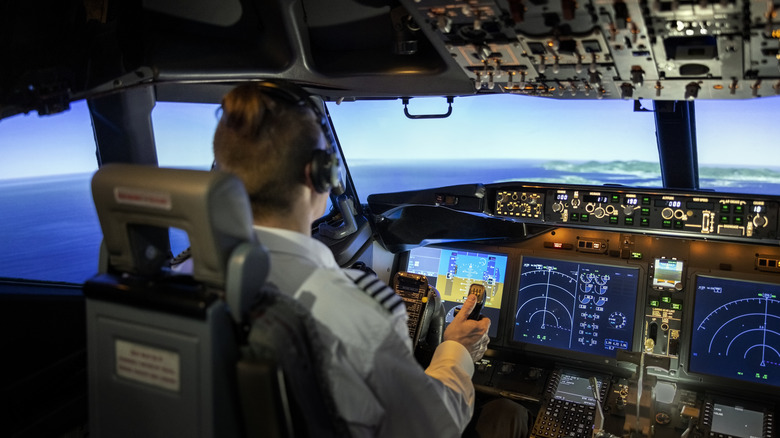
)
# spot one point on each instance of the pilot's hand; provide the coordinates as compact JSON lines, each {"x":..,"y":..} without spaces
{"x":470,"y":333}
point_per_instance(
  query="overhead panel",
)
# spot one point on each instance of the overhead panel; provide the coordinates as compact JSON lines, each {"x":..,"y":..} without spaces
{"x":614,"y":49}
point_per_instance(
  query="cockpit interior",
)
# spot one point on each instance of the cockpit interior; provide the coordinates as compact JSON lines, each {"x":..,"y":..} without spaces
{"x":644,"y":307}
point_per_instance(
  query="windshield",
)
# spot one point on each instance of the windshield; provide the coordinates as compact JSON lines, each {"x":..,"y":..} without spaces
{"x":494,"y":139}
{"x":500,"y":138}
{"x":737,"y":145}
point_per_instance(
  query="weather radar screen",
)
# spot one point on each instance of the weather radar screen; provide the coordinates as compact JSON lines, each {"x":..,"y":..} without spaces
{"x":576,"y":306}
{"x":736,"y":330}
{"x":452,"y":271}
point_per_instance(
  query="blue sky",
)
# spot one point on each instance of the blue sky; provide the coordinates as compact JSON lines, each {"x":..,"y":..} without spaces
{"x":737,"y":133}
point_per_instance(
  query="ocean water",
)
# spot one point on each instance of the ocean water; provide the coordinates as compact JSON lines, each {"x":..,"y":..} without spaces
{"x":49,"y":228}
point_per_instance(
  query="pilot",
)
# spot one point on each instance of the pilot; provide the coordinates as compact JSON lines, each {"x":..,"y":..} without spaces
{"x":272,"y":137}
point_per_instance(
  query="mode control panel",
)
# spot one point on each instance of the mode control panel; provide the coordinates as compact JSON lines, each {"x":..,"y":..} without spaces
{"x":735,"y":217}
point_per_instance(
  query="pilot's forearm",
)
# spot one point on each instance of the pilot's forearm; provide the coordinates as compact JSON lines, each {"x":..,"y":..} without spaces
{"x":418,"y":403}
{"x":452,"y":365}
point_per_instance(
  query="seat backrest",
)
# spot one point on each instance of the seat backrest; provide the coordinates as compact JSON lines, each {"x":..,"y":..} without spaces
{"x":162,"y":348}
{"x":284,"y":331}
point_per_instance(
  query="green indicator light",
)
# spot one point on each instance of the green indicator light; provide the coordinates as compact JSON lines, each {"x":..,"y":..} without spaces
{"x":636,"y":255}
{"x":666,"y":299}
{"x":676,"y":306}
{"x":615,"y":198}
{"x":654,"y":303}
{"x":740,"y":373}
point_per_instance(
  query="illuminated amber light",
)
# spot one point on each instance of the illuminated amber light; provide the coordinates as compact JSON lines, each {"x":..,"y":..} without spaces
{"x":776,"y":33}
{"x":718,"y":87}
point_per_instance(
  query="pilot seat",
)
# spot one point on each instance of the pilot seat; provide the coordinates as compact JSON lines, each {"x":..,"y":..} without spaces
{"x":168,"y":352}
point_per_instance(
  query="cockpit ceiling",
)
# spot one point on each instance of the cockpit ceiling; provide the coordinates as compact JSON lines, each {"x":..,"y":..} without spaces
{"x":596,"y":49}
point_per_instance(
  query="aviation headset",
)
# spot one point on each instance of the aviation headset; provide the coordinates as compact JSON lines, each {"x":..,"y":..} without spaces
{"x":325,"y":168}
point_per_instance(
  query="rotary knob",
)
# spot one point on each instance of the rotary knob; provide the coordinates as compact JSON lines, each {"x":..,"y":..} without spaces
{"x":557,"y":207}
{"x":759,"y":221}
{"x":599,"y":212}
{"x":667,"y":213}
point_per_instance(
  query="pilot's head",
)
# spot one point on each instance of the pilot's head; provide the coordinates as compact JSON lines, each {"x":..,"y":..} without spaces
{"x":268,"y":138}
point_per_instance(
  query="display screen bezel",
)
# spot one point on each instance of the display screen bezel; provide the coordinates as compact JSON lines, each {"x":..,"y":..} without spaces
{"x":720,"y":374}
{"x":495,"y":314}
{"x":641,"y":275}
{"x":663,"y":283}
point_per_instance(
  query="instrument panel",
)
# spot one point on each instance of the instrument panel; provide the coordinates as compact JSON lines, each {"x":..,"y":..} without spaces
{"x":610,"y":49}
{"x":696,"y":214}
{"x":699,"y":317}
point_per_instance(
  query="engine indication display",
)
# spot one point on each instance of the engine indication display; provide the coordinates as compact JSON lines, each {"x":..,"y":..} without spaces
{"x":576,"y":306}
{"x":736,"y":330}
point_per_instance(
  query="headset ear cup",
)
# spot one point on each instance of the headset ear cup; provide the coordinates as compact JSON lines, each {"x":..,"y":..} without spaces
{"x":324,"y":171}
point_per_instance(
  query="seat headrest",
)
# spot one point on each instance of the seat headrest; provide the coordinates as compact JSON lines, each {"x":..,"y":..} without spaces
{"x":137,"y":204}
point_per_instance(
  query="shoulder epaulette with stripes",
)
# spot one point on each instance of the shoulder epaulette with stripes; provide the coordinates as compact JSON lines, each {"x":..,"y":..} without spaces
{"x":377,"y":289}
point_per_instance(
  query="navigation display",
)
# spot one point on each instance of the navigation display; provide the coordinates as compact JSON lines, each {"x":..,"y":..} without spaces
{"x":576,"y":306}
{"x":736,"y":330}
{"x":452,"y":271}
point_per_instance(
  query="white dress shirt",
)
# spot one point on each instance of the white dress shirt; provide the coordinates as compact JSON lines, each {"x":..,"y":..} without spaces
{"x":379,"y":388}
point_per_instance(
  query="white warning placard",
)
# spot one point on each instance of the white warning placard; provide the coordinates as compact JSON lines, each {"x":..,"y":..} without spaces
{"x":149,"y":365}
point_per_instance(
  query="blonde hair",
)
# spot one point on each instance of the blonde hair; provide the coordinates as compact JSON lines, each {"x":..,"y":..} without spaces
{"x":266,"y":141}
